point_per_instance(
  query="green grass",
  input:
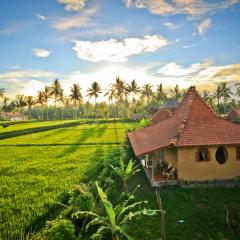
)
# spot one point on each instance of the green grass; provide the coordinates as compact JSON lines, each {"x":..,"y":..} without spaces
{"x":34,"y":177}
{"x":30,"y":125}
{"x":106,"y":133}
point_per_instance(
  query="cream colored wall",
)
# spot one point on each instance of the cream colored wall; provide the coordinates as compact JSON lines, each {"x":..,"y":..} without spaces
{"x":192,"y":170}
{"x":170,"y":157}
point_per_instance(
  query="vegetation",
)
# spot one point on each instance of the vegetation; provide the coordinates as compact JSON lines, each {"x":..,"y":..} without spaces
{"x":122,"y":100}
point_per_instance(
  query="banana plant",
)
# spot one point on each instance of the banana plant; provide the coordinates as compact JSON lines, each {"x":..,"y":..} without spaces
{"x":115,"y":219}
{"x":125,"y":172}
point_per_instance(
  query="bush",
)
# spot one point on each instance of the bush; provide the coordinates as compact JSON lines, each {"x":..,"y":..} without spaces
{"x":61,"y":230}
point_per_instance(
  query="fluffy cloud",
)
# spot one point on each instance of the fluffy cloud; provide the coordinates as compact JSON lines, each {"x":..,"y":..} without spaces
{"x":203,"y":26}
{"x":73,"y":5}
{"x":42,"y":53}
{"x":113,"y":50}
{"x":170,"y":25}
{"x":27,"y":82}
{"x":192,"y":8}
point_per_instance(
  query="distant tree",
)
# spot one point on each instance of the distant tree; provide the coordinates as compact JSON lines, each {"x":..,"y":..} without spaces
{"x":147,"y":92}
{"x":206,"y":96}
{"x":56,"y":89}
{"x":133,"y":89}
{"x":63,"y":101}
{"x":5,"y":106}
{"x":237,"y":85}
{"x":2,"y":91}
{"x":111,"y":95}
{"x":47,"y":95}
{"x":160,"y":93}
{"x":217,"y":96}
{"x":41,"y":100}
{"x":30,"y":102}
{"x":226,"y":94}
{"x":94,"y":91}
{"x":75,"y":97}
{"x":176,"y":93}
{"x":21,"y":102}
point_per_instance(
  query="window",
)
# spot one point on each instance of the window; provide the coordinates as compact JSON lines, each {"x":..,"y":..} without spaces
{"x":238,"y":153}
{"x":221,"y":155}
{"x":203,"y":154}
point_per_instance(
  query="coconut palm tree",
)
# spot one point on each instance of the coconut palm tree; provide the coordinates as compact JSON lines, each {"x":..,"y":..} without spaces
{"x":63,"y":100}
{"x":226,"y":93}
{"x":147,"y":92}
{"x":121,"y":89}
{"x":5,"y":104}
{"x":21,"y":102}
{"x":176,"y":93}
{"x":218,"y":95}
{"x":30,"y":102}
{"x":133,"y":89}
{"x":160,"y":94}
{"x":47,"y":95}
{"x":2,"y":91}
{"x":75,"y":97}
{"x":237,"y":85}
{"x":56,"y":89}
{"x":111,"y":95}
{"x":41,"y":100}
{"x":94,"y":91}
{"x":206,"y":96}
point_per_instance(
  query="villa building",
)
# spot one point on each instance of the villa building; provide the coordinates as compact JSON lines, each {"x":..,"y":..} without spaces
{"x":192,"y":143}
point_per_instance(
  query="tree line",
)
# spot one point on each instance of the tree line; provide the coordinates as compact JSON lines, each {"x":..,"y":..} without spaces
{"x":123,"y":100}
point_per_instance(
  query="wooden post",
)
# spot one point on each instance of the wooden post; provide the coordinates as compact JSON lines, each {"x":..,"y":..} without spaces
{"x":153,"y":169}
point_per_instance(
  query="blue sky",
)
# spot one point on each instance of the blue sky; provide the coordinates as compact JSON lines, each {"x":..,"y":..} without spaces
{"x":172,"y":42}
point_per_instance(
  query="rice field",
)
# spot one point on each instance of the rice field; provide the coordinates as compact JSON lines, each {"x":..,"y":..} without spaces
{"x":37,"y":169}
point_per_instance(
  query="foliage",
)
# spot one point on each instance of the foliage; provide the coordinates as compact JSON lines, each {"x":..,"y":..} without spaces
{"x":144,"y":122}
{"x":116,"y":218}
{"x":125,"y":172}
{"x":61,"y":230}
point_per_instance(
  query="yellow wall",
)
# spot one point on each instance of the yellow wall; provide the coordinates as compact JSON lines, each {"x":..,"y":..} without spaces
{"x":170,"y":157}
{"x":192,"y":170}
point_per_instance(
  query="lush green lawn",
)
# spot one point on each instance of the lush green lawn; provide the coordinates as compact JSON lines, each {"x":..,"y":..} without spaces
{"x":31,"y":124}
{"x":34,"y":177}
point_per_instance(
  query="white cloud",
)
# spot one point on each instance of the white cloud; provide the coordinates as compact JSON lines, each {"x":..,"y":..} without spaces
{"x":73,"y":5}
{"x":113,"y":50}
{"x":80,"y":20}
{"x":170,"y":25}
{"x":42,"y":53}
{"x":13,"y":67}
{"x":193,"y":8}
{"x":203,"y":26}
{"x":27,"y":82}
{"x":190,"y":46}
{"x":41,"y":17}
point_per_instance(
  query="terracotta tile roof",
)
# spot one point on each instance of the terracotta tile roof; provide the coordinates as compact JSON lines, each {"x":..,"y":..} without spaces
{"x":192,"y":124}
{"x":161,"y":115}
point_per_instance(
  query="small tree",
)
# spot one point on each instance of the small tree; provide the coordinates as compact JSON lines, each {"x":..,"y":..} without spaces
{"x":125,"y":172}
{"x":116,"y":219}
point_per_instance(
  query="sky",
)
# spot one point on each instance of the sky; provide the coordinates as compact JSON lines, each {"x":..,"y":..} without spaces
{"x":184,"y":42}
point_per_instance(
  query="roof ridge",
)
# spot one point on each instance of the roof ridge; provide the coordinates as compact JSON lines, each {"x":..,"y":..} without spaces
{"x":184,"y":121}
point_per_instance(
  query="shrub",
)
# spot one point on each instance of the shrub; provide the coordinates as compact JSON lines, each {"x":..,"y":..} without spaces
{"x":61,"y":230}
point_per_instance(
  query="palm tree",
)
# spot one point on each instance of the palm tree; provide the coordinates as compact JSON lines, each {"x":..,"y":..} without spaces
{"x":237,"y":85}
{"x":206,"y":96}
{"x":111,"y":95}
{"x":160,"y":94}
{"x":226,"y":93}
{"x":75,"y":97}
{"x":41,"y":100}
{"x":218,"y":95}
{"x":5,"y":103}
{"x":176,"y":93}
{"x":56,"y":89}
{"x":94,"y":91}
{"x":147,"y":92}
{"x":47,"y":95}
{"x":21,"y":103}
{"x":2,"y":91}
{"x":134,"y":89}
{"x":30,"y":102}
{"x":62,"y":99}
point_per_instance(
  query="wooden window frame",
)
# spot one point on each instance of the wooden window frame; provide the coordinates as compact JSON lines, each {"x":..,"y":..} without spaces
{"x":197,"y":155}
{"x":238,"y":153}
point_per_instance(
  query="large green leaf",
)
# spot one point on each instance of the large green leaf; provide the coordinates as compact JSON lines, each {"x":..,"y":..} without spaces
{"x":129,"y":167}
{"x":108,"y":205}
